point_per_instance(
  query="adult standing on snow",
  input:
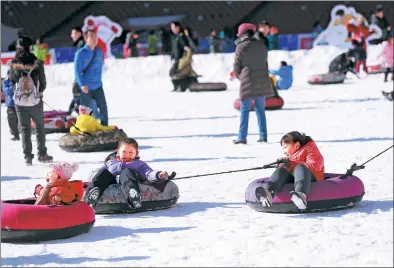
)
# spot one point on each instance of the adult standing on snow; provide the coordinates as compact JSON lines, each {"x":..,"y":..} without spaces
{"x":250,"y":67}
{"x":27,"y":72}
{"x":178,"y":45}
{"x":77,"y":37}
{"x":88,"y":66}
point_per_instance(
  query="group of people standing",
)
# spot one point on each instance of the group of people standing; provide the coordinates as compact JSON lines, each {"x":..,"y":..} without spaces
{"x":26,"y":83}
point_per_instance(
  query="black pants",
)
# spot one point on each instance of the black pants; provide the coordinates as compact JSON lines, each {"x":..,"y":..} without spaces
{"x":386,"y":73}
{"x":134,"y":52}
{"x":75,"y":101}
{"x":12,"y":119}
{"x":37,"y":114}
{"x":301,"y":177}
{"x":128,"y":179}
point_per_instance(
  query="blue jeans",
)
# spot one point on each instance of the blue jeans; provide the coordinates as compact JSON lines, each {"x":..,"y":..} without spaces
{"x":96,"y":99}
{"x":261,"y":119}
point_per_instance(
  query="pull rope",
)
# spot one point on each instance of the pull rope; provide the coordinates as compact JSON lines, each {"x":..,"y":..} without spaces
{"x":355,"y":167}
{"x":270,"y":165}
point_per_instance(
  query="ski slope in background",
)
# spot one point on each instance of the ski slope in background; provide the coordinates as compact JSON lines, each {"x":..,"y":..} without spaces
{"x":192,"y":133}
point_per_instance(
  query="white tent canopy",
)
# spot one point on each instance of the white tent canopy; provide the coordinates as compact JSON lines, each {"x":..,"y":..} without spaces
{"x":8,"y":35}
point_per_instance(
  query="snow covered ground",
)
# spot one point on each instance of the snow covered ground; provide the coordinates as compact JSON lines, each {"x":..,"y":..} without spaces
{"x":192,"y":133}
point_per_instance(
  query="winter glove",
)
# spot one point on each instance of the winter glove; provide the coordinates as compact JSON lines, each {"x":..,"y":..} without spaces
{"x":284,"y":162}
{"x":232,"y":76}
{"x":37,"y":190}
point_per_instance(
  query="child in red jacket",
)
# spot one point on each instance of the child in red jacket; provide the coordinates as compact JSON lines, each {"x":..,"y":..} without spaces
{"x":59,"y":190}
{"x":303,"y":163}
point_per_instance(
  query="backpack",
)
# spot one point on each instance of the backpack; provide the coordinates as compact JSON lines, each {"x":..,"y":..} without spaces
{"x":26,"y":93}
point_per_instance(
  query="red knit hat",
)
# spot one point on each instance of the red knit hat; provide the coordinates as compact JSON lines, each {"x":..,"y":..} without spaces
{"x":244,"y":27}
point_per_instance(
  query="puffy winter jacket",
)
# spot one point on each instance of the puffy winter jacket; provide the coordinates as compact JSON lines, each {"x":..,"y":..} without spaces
{"x":115,"y":166}
{"x":285,"y":74}
{"x":88,"y":124}
{"x":310,"y":156}
{"x":387,"y":53}
{"x":68,"y":191}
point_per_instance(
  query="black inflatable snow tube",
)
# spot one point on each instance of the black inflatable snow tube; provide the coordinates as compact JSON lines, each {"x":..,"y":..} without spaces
{"x":327,"y":79}
{"x":96,"y":142}
{"x":155,"y":196}
{"x":204,"y":87}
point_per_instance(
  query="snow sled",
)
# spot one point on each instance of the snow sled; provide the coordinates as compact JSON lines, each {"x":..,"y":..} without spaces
{"x":92,"y":142}
{"x":22,"y":221}
{"x":155,"y":196}
{"x":55,"y":122}
{"x":333,"y":193}
{"x":271,"y":103}
{"x":375,"y":69}
{"x":203,"y":87}
{"x":327,"y":79}
{"x":184,"y":83}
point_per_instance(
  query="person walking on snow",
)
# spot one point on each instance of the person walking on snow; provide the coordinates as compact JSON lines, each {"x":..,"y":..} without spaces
{"x":90,"y":80}
{"x":27,"y":72}
{"x":285,"y":74}
{"x":387,"y":56}
{"x":12,"y":118}
{"x":250,"y":67}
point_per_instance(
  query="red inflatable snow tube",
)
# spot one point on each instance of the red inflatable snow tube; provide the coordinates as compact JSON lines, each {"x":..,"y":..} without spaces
{"x":271,"y":103}
{"x":375,"y":69}
{"x":22,"y":221}
{"x":54,"y":122}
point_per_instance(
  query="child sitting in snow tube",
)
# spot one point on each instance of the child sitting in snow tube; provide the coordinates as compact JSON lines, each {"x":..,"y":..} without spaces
{"x":285,"y":73}
{"x":86,"y":123}
{"x":59,"y":190}
{"x":302,"y":165}
{"x":131,"y":171}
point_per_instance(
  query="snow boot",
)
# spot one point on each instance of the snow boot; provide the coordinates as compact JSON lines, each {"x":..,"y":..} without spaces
{"x":93,"y":196}
{"x":299,"y":199}
{"x":45,"y":158}
{"x":134,"y":198}
{"x":264,"y":196}
{"x":388,"y":95}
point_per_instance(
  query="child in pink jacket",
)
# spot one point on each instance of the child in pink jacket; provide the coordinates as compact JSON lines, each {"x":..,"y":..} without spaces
{"x":387,"y":55}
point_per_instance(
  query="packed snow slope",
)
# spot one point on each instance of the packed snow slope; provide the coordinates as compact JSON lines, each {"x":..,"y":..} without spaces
{"x":192,"y":133}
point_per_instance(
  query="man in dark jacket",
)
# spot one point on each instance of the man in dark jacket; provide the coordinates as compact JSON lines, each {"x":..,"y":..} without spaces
{"x":263,"y":32}
{"x":132,"y":40}
{"x":24,"y":63}
{"x":341,"y":64}
{"x":214,"y":42}
{"x":77,"y":37}
{"x":379,"y":19}
{"x":179,"y":45}
{"x":178,"y":41}
{"x":250,"y":67}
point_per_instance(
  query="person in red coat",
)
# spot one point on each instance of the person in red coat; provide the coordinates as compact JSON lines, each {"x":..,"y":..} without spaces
{"x":302,"y":164}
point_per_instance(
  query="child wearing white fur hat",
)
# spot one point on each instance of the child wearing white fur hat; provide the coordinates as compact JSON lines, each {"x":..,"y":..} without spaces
{"x":59,"y":188}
